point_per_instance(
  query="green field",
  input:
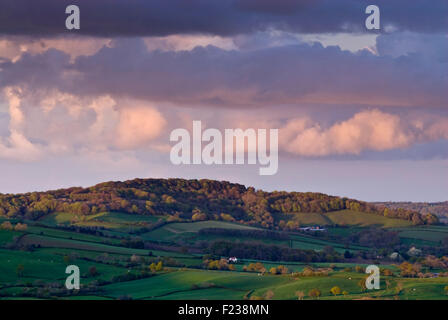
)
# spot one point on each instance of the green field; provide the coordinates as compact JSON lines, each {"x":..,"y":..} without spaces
{"x":347,"y":218}
{"x":175,"y":230}
{"x":45,"y":266}
{"x":235,"y":283}
{"x":111,"y":220}
{"x":303,"y":242}
{"x":34,"y":261}
{"x":7,"y":236}
{"x":427,"y":233}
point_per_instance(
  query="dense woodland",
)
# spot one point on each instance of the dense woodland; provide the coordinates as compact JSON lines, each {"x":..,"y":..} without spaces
{"x":193,"y":200}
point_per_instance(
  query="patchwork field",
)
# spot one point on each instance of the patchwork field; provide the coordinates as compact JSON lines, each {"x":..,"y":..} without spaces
{"x":348,"y":218}
{"x":34,"y":261}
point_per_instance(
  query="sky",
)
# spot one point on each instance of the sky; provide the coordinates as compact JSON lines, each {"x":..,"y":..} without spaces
{"x":360,"y":113}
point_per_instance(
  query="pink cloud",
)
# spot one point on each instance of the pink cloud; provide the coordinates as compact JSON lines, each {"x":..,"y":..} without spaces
{"x":138,"y":125}
{"x":367,"y":130}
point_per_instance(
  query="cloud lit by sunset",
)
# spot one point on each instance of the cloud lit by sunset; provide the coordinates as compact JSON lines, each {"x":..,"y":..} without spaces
{"x":337,"y":93}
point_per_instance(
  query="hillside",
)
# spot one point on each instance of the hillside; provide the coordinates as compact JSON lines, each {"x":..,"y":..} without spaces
{"x":197,"y":200}
{"x":440,"y":209}
{"x":172,"y":239}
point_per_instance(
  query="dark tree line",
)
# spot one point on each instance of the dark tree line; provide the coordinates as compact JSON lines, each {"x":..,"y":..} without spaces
{"x":259,"y":251}
{"x":237,"y":233}
{"x":376,"y":238}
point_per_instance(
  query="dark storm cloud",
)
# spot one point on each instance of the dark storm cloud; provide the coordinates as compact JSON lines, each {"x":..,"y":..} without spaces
{"x":225,"y":17}
{"x":36,"y":71}
{"x":212,"y":76}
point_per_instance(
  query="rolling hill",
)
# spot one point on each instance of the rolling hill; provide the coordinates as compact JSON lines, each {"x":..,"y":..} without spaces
{"x":200,"y":200}
{"x":170,"y":239}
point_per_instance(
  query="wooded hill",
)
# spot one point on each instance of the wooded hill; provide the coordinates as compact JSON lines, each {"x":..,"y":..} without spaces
{"x":181,"y":200}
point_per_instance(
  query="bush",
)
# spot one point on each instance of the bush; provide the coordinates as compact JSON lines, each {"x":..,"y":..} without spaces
{"x":6,"y":226}
{"x":314,"y":293}
{"x":21,"y":227}
{"x":92,"y":271}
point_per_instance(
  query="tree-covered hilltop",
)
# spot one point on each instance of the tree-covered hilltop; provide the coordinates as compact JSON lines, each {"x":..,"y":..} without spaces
{"x":195,"y":200}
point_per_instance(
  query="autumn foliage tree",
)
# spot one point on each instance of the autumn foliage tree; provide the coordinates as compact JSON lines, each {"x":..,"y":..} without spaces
{"x":314,"y":293}
{"x":336,"y":290}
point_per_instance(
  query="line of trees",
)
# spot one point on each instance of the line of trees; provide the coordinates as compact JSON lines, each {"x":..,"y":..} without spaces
{"x":259,"y":251}
{"x":249,"y":233}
